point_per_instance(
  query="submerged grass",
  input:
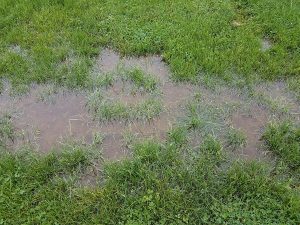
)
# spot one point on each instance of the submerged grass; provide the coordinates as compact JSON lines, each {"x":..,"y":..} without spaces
{"x":208,"y":118}
{"x":221,"y":38}
{"x":6,"y":130}
{"x":107,"y":109}
{"x":294,"y":84}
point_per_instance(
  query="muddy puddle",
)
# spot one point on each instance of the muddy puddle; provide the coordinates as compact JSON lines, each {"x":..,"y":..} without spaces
{"x":46,"y":124}
{"x":235,"y":110}
{"x":252,"y":124}
{"x":279,"y":98}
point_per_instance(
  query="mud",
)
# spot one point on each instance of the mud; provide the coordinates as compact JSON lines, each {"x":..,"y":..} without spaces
{"x":235,"y":109}
{"x":172,"y":95}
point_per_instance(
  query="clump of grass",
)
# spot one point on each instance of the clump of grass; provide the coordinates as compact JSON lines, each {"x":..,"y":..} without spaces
{"x":147,"y":109}
{"x":178,"y":136}
{"x":197,"y":96}
{"x":97,"y":139}
{"x":212,"y":147}
{"x":283,"y":139}
{"x":103,"y":80}
{"x":94,"y":100}
{"x":207,"y":118}
{"x":129,"y":138}
{"x":109,"y":110}
{"x":141,"y":80}
{"x":272,"y":104}
{"x":106,"y":109}
{"x":195,"y":122}
{"x":235,"y":139}
{"x":6,"y":130}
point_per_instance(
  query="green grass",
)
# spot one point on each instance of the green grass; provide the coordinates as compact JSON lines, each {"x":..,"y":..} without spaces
{"x":6,"y":130}
{"x":178,"y":136}
{"x":283,"y":139}
{"x":214,"y":42}
{"x":156,"y":186}
{"x":141,"y":80}
{"x":102,"y":80}
{"x":36,"y":187}
{"x":105,"y":109}
{"x":208,"y":118}
{"x":195,"y":37}
{"x":236,"y":139}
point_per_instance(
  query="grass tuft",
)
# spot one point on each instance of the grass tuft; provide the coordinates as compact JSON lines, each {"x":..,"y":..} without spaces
{"x":105,"y":109}
{"x":141,"y":80}
{"x":283,"y":139}
{"x":6,"y":130}
{"x":235,"y":139}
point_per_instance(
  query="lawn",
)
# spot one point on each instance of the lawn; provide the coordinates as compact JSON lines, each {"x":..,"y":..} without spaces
{"x":156,"y":186}
{"x":231,"y":43}
{"x":57,"y":40}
